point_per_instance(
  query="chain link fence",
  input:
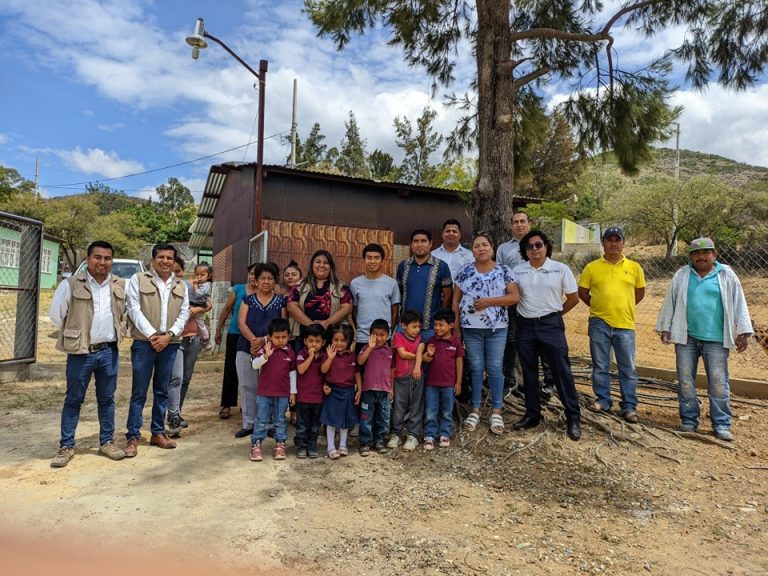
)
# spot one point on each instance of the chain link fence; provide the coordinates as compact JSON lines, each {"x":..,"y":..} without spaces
{"x":21,"y":242}
{"x":751,"y":266}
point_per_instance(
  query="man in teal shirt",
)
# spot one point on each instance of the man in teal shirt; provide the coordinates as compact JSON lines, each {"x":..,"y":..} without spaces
{"x":705,"y":315}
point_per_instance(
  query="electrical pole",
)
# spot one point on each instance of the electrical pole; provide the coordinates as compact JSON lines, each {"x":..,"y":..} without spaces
{"x":676,"y":199}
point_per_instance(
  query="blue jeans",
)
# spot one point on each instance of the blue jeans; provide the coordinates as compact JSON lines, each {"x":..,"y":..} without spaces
{"x":375,"y":409}
{"x":438,"y":419}
{"x":602,"y":337}
{"x":270,"y":411}
{"x":158,"y":366}
{"x":715,"y":358}
{"x":103,"y":366}
{"x":485,"y":350}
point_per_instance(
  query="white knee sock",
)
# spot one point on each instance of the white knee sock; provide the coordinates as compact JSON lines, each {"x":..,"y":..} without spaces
{"x":343,"y":437}
{"x":330,"y":434}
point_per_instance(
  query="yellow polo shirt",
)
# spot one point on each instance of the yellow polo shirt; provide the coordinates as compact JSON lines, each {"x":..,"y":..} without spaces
{"x":612,"y":290}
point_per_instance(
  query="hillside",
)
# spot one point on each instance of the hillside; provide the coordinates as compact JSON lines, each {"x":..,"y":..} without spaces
{"x":691,"y":164}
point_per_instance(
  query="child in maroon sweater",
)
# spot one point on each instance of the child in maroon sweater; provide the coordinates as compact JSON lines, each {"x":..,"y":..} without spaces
{"x":309,"y":396}
{"x":445,"y":356}
{"x":376,"y":401}
{"x":342,"y":389}
{"x":277,"y":386}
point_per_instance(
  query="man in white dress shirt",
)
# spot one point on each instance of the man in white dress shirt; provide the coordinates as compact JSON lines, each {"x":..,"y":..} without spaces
{"x":88,"y":309}
{"x":451,"y":251}
{"x":158,"y":309}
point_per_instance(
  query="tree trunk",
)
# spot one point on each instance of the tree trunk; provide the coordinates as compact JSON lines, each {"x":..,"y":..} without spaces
{"x":492,"y":195}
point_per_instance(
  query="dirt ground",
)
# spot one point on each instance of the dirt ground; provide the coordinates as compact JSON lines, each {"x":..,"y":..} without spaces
{"x":486,"y":506}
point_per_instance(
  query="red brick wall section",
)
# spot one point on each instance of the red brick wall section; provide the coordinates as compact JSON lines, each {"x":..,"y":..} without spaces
{"x":298,"y":241}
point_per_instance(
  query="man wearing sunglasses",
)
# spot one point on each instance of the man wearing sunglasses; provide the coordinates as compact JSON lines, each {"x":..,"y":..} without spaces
{"x":612,"y":286}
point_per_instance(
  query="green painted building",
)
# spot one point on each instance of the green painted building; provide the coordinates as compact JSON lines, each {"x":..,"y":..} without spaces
{"x":10,"y":256}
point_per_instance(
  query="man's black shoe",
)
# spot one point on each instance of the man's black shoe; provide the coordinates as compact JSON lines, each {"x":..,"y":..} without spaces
{"x":243,"y":432}
{"x":574,"y":431}
{"x":527,"y":422}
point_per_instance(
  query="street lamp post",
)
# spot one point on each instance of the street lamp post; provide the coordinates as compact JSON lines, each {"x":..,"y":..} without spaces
{"x":198,"y":42}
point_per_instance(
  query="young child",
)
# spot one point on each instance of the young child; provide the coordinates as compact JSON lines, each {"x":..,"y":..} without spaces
{"x":445,"y":356}
{"x":309,"y":396}
{"x":341,"y":388}
{"x":199,"y":295}
{"x":376,"y":356}
{"x":277,"y":386}
{"x":408,"y":405}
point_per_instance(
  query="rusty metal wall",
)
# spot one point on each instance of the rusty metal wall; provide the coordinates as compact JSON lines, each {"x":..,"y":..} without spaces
{"x":232,"y":224}
{"x":359,"y":205}
{"x":299,"y":240}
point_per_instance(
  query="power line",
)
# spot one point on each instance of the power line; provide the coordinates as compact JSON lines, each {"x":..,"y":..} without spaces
{"x":70,"y":184}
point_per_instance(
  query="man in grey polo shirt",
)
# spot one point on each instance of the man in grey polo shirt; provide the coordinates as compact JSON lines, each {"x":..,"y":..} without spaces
{"x":509,"y":254}
{"x":375,"y":295}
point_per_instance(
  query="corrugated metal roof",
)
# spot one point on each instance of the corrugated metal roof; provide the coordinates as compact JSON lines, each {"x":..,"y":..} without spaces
{"x":202,"y":227}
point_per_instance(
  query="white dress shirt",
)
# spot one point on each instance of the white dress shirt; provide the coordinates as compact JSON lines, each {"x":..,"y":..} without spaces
{"x":456,"y":260}
{"x":133,"y":304}
{"x":103,"y":326}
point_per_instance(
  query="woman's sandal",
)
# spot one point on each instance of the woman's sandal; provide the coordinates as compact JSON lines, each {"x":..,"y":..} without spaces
{"x":343,"y":451}
{"x":471,"y":422}
{"x":225,"y":413}
{"x":334,"y":454}
{"x":497,"y":424}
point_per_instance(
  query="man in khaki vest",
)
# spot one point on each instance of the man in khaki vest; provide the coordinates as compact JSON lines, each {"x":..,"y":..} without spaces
{"x":88,"y":309}
{"x":158,"y":309}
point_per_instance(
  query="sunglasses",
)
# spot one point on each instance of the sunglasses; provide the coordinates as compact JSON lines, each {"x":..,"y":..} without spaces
{"x":534,"y":246}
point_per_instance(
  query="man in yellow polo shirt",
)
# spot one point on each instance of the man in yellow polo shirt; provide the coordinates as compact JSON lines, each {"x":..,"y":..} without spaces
{"x":612,"y":286}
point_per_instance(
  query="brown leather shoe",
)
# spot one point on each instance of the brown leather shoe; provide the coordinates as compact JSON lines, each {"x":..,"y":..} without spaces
{"x":162,"y":441}
{"x":131,"y":447}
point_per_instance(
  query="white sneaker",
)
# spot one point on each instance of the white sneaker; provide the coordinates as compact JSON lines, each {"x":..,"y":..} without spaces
{"x":394,"y":441}
{"x":411,"y":443}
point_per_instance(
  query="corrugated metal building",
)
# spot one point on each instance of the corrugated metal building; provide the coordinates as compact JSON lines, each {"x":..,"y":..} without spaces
{"x":303,"y":211}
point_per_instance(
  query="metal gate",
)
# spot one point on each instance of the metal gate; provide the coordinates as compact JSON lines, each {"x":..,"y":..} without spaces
{"x":21,"y":244}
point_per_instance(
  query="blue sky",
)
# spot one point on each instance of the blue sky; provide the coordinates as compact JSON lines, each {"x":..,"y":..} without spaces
{"x":101,"y":89}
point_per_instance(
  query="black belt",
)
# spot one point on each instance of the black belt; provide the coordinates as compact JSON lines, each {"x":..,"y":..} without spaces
{"x":550,"y":315}
{"x":101,"y":346}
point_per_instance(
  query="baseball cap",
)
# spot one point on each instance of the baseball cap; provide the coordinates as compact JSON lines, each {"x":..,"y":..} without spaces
{"x":701,"y":244}
{"x":613,"y":231}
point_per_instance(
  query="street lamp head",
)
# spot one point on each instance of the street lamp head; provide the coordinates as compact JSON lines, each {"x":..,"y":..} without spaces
{"x":197,"y":38}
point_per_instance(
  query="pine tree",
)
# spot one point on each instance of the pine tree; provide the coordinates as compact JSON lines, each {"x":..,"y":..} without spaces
{"x":519,"y":45}
{"x":352,"y":159}
{"x":417,"y":148}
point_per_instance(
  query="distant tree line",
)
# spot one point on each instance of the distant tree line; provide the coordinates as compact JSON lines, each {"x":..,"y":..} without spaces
{"x":103,"y":213}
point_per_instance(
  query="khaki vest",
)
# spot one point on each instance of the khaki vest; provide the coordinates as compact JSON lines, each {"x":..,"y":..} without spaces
{"x":75,"y":333}
{"x":335,"y":290}
{"x":149,"y":303}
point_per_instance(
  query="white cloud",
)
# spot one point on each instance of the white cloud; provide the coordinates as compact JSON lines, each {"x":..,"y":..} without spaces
{"x":110,"y":127}
{"x":719,"y":121}
{"x":3,"y":138}
{"x":146,"y":193}
{"x":99,"y":162}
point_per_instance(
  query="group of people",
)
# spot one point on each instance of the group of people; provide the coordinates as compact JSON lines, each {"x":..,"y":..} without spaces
{"x":387,"y":354}
{"x":161,"y":313}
